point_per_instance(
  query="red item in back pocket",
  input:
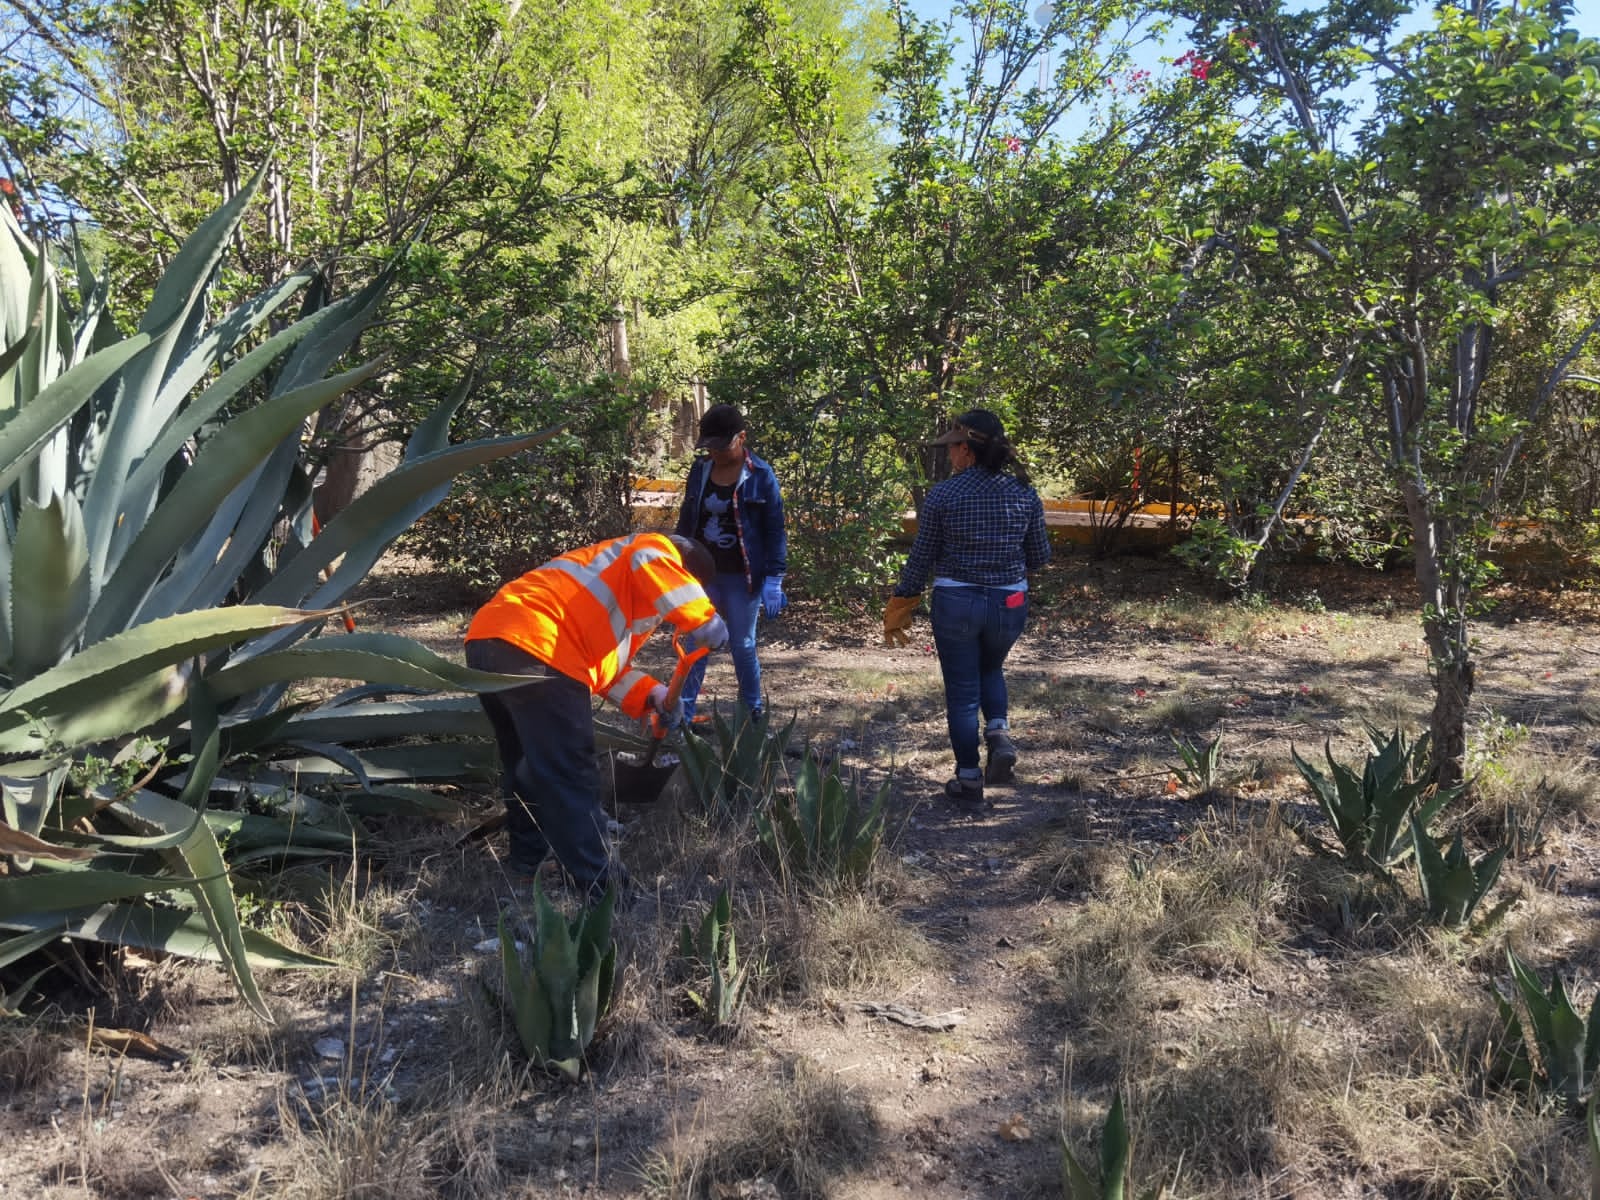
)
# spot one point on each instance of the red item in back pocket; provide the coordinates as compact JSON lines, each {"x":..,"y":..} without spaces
{"x":1016,"y":599}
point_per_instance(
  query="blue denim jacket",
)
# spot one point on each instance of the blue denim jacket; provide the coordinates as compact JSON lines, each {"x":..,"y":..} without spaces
{"x":759,"y":507}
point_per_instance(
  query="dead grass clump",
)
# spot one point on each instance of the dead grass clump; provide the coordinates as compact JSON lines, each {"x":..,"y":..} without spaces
{"x":355,"y":1144}
{"x":1415,"y":1009}
{"x":1525,"y":792}
{"x":795,"y":1137}
{"x":1184,"y":711}
{"x":359,"y":1141}
{"x":1433,"y":1141}
{"x":1211,"y":907}
{"x":845,"y":943}
{"x":1244,"y":1091}
{"x":29,"y":1056}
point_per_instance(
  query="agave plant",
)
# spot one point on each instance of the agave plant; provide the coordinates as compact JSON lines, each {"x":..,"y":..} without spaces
{"x":1557,"y":1051}
{"x":826,"y":831}
{"x":561,"y":986}
{"x":1452,"y":884}
{"x":154,"y":622}
{"x":714,"y":953}
{"x":1116,"y":1165}
{"x":738,"y":767}
{"x":1200,"y":770}
{"x":1371,"y":813}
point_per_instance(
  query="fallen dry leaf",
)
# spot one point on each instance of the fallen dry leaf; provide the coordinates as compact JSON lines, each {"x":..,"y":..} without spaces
{"x":130,"y":1041}
{"x":1015,"y":1128}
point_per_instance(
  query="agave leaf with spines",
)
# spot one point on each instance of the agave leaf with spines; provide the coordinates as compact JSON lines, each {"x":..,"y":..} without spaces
{"x":737,"y":769}
{"x":713,"y":952}
{"x":826,"y":831}
{"x":1567,"y":1046}
{"x":1116,"y":1164}
{"x":1452,"y":884}
{"x":142,"y":479}
{"x":1371,"y":812}
{"x":560,"y":987}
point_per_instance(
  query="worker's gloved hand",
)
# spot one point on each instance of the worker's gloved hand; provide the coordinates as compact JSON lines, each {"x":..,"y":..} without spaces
{"x":664,"y":718}
{"x":897,"y":620}
{"x":713,"y":635}
{"x":772,"y":597}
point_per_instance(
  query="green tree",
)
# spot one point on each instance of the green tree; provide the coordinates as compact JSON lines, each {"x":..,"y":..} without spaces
{"x":857,"y":327}
{"x":1467,"y":198}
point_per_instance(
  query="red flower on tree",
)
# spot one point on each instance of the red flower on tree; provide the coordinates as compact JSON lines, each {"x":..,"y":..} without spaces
{"x":1199,"y":67}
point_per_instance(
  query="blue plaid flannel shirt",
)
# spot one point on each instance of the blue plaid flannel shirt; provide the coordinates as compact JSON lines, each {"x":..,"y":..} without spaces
{"x":980,"y":527}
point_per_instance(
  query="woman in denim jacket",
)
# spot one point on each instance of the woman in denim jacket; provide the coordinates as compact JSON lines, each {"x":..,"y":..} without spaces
{"x":732,"y":504}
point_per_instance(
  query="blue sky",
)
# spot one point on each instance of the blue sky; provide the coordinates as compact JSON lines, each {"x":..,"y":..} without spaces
{"x":1157,"y":57}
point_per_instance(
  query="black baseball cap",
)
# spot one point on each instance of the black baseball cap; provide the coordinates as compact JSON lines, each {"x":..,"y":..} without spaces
{"x":721,"y":424}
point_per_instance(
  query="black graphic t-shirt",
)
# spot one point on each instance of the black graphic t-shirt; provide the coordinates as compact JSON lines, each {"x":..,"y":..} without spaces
{"x":717,"y":528}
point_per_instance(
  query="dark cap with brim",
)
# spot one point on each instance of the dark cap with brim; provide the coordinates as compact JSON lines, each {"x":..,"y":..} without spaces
{"x":721,"y":424}
{"x":974,"y":425}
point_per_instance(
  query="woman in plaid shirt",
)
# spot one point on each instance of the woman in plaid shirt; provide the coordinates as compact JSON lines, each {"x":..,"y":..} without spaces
{"x":979,"y":534}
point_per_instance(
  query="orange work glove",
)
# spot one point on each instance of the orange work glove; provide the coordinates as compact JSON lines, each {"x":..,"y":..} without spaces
{"x":897,"y":619}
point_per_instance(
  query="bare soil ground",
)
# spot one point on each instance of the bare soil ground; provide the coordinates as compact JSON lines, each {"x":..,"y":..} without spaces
{"x":1278,"y":1023}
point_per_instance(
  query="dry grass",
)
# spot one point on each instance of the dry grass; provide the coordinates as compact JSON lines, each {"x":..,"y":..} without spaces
{"x":30,"y":1055}
{"x":1373,"y":1059}
{"x":848,"y":942}
{"x":796,"y":1136}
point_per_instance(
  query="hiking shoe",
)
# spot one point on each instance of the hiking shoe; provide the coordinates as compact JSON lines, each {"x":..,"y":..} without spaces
{"x":966,"y":794}
{"x":1002,"y":758}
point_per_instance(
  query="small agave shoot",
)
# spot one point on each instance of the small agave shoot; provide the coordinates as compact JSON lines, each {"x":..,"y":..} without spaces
{"x":1371,"y":813}
{"x":738,"y":767}
{"x":1116,"y":1165}
{"x":825,"y":832}
{"x":1452,"y":884}
{"x":153,"y":621}
{"x":1562,"y":1054}
{"x":560,"y":987}
{"x":1200,"y":770}
{"x":713,"y":955}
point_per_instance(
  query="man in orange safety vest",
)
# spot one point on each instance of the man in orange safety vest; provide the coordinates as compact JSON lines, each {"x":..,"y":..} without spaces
{"x":575,"y":624}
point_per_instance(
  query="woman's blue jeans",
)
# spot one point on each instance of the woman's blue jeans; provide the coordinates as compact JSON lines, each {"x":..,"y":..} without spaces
{"x":738,"y":609}
{"x":551,"y":781}
{"x":974,"y":629}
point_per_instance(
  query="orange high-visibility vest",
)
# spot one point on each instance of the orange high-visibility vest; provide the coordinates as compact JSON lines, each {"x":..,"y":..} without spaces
{"x":587,"y":612}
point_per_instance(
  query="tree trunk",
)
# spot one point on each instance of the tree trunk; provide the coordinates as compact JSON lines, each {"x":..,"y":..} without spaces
{"x":356,"y":463}
{"x":1444,"y":628}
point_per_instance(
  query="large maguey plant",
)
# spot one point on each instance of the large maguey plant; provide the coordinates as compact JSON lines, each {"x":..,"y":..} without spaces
{"x":156,"y":615}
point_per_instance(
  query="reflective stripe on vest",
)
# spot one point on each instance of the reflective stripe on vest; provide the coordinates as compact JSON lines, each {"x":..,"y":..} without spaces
{"x":587,"y":612}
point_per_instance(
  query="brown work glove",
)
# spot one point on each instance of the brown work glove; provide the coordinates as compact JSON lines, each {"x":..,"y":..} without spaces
{"x":897,"y":620}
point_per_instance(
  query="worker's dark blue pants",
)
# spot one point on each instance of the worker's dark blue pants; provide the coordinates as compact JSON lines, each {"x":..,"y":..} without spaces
{"x":551,"y":782}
